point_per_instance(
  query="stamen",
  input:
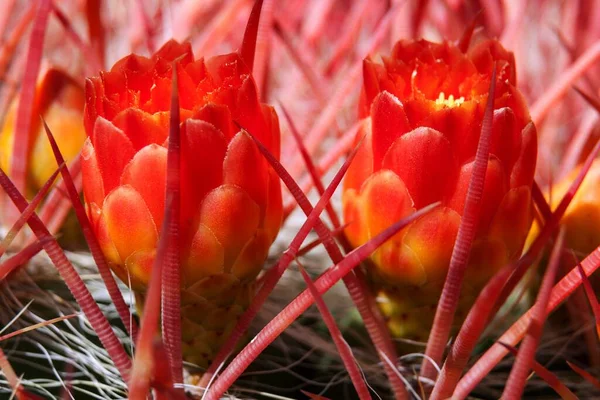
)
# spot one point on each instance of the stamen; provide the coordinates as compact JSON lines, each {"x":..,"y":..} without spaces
{"x":450,"y":101}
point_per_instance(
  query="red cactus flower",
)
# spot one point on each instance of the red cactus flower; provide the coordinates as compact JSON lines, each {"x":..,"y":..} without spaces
{"x":59,"y":100}
{"x":424,"y":107}
{"x":231,"y":207}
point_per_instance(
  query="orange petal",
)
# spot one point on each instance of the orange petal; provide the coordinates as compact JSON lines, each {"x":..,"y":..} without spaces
{"x":357,"y":230}
{"x":147,"y":174}
{"x":143,"y":128}
{"x":461,"y":125}
{"x":418,"y":110}
{"x":93,"y":103}
{"x":232,"y":215}
{"x":253,"y":256}
{"x":248,"y":112}
{"x":272,"y":126}
{"x":513,"y":219}
{"x":226,"y":68}
{"x":160,"y":96}
{"x":202,"y":152}
{"x":429,"y":79}
{"x":219,"y":116}
{"x":485,"y":53}
{"x":206,"y":257}
{"x":506,"y":137}
{"x":524,"y":168}
{"x":245,"y":167}
{"x":397,"y":264}
{"x":113,"y":97}
{"x":129,"y":223}
{"x":101,"y":230}
{"x":274,"y":211}
{"x":431,"y":238}
{"x":94,"y":213}
{"x":93,"y":186}
{"x":139,"y":268}
{"x":113,"y":152}
{"x":385,"y":200}
{"x":173,"y":50}
{"x":410,"y":50}
{"x":139,"y":73}
{"x":424,"y":160}
{"x":389,"y":122}
{"x":188,"y":95}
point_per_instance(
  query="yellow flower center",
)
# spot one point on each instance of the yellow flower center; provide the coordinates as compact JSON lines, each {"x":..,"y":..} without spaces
{"x":450,"y":101}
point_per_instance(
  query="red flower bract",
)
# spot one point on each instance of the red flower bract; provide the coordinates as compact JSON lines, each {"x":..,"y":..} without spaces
{"x":230,"y":198}
{"x":424,"y":108}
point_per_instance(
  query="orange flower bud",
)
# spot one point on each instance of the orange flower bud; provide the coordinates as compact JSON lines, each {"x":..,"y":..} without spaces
{"x":231,"y":207}
{"x":424,"y":108}
{"x":59,"y":100}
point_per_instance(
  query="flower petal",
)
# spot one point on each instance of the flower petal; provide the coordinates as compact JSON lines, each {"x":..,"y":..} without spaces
{"x":93,"y":103}
{"x":173,"y":50}
{"x":252,"y":257}
{"x":424,"y":160}
{"x":513,"y":219}
{"x":272,"y":129}
{"x":432,"y":238}
{"x":248,"y":112}
{"x":397,"y":264}
{"x":206,"y":257}
{"x":242,"y":153}
{"x":93,"y":190}
{"x":203,"y":149}
{"x":138,"y":71}
{"x":139,"y":268}
{"x":128,"y":222}
{"x":385,"y":200}
{"x":103,"y":235}
{"x":141,"y":127}
{"x":524,"y":168}
{"x":147,"y":174}
{"x":506,"y":137}
{"x":389,"y":122}
{"x":219,"y":116}
{"x":232,"y":215}
{"x":113,"y":152}
{"x":460,"y":125}
{"x":274,"y":210}
{"x":356,"y":231}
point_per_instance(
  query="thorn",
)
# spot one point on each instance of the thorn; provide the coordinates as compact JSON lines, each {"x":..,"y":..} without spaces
{"x":248,"y":48}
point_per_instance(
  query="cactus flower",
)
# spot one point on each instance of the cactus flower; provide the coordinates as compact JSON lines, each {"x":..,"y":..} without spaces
{"x":582,"y":218}
{"x":231,"y":207}
{"x":423,"y":108}
{"x":59,"y":100}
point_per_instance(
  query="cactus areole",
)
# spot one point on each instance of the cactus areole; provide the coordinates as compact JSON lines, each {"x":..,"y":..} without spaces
{"x":424,"y":107}
{"x":231,"y":207}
